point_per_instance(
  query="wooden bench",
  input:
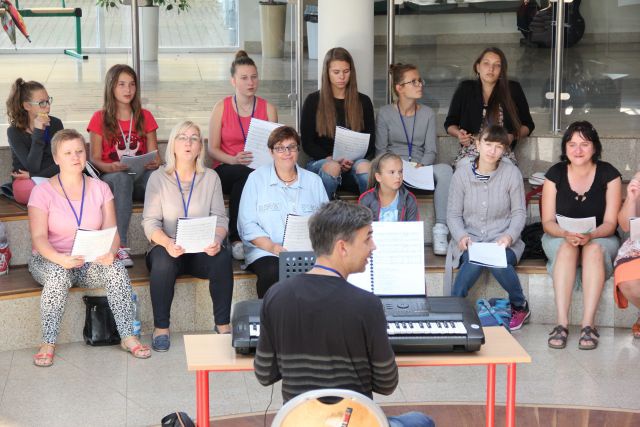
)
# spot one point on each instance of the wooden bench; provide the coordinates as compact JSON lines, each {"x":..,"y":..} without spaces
{"x":53,"y":12}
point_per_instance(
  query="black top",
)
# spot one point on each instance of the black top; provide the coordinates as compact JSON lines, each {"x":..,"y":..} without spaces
{"x":574,"y":205}
{"x":322,"y":332}
{"x":32,"y":152}
{"x":318,"y":147}
{"x":467,"y":103}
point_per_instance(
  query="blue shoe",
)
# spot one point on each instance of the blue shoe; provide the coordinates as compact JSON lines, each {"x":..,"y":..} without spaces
{"x":161,"y":343}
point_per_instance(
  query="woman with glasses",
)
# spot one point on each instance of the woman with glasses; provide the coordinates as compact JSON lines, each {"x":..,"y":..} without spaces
{"x":490,"y":99}
{"x":337,"y":103}
{"x":408,"y":128}
{"x":271,"y":193}
{"x":184,"y":187}
{"x":228,"y":128}
{"x":123,"y":128}
{"x":30,"y":131}
{"x":580,"y":186}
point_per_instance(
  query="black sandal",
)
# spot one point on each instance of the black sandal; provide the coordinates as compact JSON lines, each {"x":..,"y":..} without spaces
{"x":559,"y":333}
{"x":587,"y":340}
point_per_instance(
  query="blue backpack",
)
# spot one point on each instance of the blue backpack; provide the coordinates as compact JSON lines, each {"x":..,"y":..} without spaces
{"x":494,"y":312}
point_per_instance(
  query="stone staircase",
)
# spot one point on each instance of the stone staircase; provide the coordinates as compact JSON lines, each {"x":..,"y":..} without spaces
{"x":192,"y":307}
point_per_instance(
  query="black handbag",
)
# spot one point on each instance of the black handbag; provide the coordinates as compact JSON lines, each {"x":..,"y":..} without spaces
{"x":99,"y":324}
{"x":177,"y":419}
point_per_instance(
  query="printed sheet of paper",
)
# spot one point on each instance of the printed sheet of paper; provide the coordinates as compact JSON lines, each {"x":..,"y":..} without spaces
{"x":37,"y":180}
{"x":398,"y":261}
{"x":296,"y":233}
{"x":257,"y":137}
{"x":350,"y":145}
{"x":488,"y":254}
{"x":195,"y":234}
{"x":634,"y":228}
{"x":576,"y":225}
{"x":137,"y":163}
{"x":93,"y":244}
{"x":421,"y":177}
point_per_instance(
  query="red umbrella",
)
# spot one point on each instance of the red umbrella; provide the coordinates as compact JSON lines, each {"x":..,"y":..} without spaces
{"x":17,"y":20}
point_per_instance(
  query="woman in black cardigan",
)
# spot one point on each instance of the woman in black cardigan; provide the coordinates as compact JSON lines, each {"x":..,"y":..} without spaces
{"x":490,"y":99}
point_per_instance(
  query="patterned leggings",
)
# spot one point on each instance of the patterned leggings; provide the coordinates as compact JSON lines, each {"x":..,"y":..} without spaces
{"x":57,"y":280}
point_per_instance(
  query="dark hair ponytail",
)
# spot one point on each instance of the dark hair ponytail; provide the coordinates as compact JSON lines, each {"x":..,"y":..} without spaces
{"x":241,"y":58}
{"x":20,"y":92}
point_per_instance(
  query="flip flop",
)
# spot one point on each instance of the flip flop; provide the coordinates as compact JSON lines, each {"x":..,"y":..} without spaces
{"x":136,"y":350}
{"x":44,"y":360}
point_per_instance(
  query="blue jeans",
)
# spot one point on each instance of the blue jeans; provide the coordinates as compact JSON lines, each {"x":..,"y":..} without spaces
{"x":411,"y":419}
{"x":331,"y":183}
{"x":507,"y":277}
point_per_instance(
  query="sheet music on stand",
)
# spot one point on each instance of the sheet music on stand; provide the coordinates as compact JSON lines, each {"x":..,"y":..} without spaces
{"x":195,"y":234}
{"x":257,"y":138}
{"x":350,"y":145}
{"x":634,"y":228}
{"x":296,"y":234}
{"x":488,"y":254}
{"x":421,"y":177}
{"x":92,"y":244}
{"x":396,"y":267}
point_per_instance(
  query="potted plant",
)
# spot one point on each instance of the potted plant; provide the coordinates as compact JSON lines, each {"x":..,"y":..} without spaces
{"x":273,"y":16}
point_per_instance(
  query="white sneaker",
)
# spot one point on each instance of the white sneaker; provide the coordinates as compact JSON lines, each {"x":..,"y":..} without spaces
{"x":440,"y":243}
{"x":124,"y":257}
{"x":237,"y":251}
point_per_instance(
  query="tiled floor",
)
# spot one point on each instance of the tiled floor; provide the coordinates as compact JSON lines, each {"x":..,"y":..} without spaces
{"x":104,"y":386}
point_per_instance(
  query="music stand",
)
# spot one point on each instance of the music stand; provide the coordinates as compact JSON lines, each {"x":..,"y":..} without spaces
{"x":294,"y":263}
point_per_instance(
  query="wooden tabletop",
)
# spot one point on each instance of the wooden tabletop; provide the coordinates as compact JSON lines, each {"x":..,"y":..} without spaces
{"x":213,"y":352}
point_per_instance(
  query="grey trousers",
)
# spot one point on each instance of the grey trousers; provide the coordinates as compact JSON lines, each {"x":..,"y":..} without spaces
{"x":442,"y":174}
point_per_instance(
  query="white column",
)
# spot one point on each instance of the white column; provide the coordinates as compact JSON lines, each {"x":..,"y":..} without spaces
{"x":348,"y":24}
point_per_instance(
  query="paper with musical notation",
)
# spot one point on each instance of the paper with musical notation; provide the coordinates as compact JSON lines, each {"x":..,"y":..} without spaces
{"x":137,"y":163}
{"x":350,"y":145}
{"x":296,"y":233}
{"x":92,"y":244}
{"x":195,"y":234}
{"x":634,"y":228}
{"x":488,"y":254}
{"x":256,"y":143}
{"x":576,"y":225}
{"x":397,"y":264}
{"x":421,"y":177}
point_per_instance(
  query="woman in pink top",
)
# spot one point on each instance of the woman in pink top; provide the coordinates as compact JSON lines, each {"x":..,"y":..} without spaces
{"x":57,"y":208}
{"x":228,"y":127}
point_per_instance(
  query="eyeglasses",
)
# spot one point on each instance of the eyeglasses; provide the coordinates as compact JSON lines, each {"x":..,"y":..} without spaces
{"x":194,"y":139}
{"x":290,"y":148}
{"x":42,"y":104}
{"x":415,"y":82}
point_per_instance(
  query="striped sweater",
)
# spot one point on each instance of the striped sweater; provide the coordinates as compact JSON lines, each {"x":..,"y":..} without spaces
{"x":321,"y":332}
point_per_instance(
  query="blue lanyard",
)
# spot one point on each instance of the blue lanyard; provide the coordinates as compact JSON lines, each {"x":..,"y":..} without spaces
{"x":78,"y":218}
{"x":244,"y":136}
{"x":185,"y":205}
{"x":333,"y":270}
{"x":409,"y":141}
{"x":47,"y":137}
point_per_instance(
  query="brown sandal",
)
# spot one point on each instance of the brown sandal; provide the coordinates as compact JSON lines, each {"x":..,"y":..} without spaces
{"x":559,"y":333}
{"x":588,"y":338}
{"x":45,"y":359}
{"x":635,"y":329}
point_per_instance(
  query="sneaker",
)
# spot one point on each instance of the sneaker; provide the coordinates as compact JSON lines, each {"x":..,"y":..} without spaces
{"x":5,"y":257}
{"x":124,"y":257}
{"x":237,"y":250}
{"x":440,"y":243}
{"x":519,"y":316}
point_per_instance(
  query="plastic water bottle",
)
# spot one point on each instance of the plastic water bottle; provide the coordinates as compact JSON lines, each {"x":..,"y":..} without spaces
{"x":137,"y":325}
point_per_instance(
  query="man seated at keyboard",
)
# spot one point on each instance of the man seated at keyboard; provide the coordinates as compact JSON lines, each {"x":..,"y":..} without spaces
{"x":319,"y":327}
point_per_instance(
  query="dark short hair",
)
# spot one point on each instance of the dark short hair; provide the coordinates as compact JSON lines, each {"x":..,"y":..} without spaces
{"x":588,"y":132}
{"x":496,"y":133}
{"x":282,"y":134}
{"x":336,"y":220}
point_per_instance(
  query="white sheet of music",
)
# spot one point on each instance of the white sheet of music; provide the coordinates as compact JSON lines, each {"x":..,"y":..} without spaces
{"x":195,"y":234}
{"x":350,"y":145}
{"x":37,"y":180}
{"x":488,"y":254}
{"x":398,"y":260}
{"x":137,"y":163}
{"x":93,"y":244}
{"x":421,"y":177}
{"x":576,"y":225}
{"x":634,"y":228}
{"x":257,"y":137}
{"x":296,"y":233}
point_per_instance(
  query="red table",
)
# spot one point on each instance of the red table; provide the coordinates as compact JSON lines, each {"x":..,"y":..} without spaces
{"x":213,"y":353}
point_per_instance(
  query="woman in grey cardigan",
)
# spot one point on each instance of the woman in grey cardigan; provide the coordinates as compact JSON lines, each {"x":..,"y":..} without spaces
{"x":486,"y":204}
